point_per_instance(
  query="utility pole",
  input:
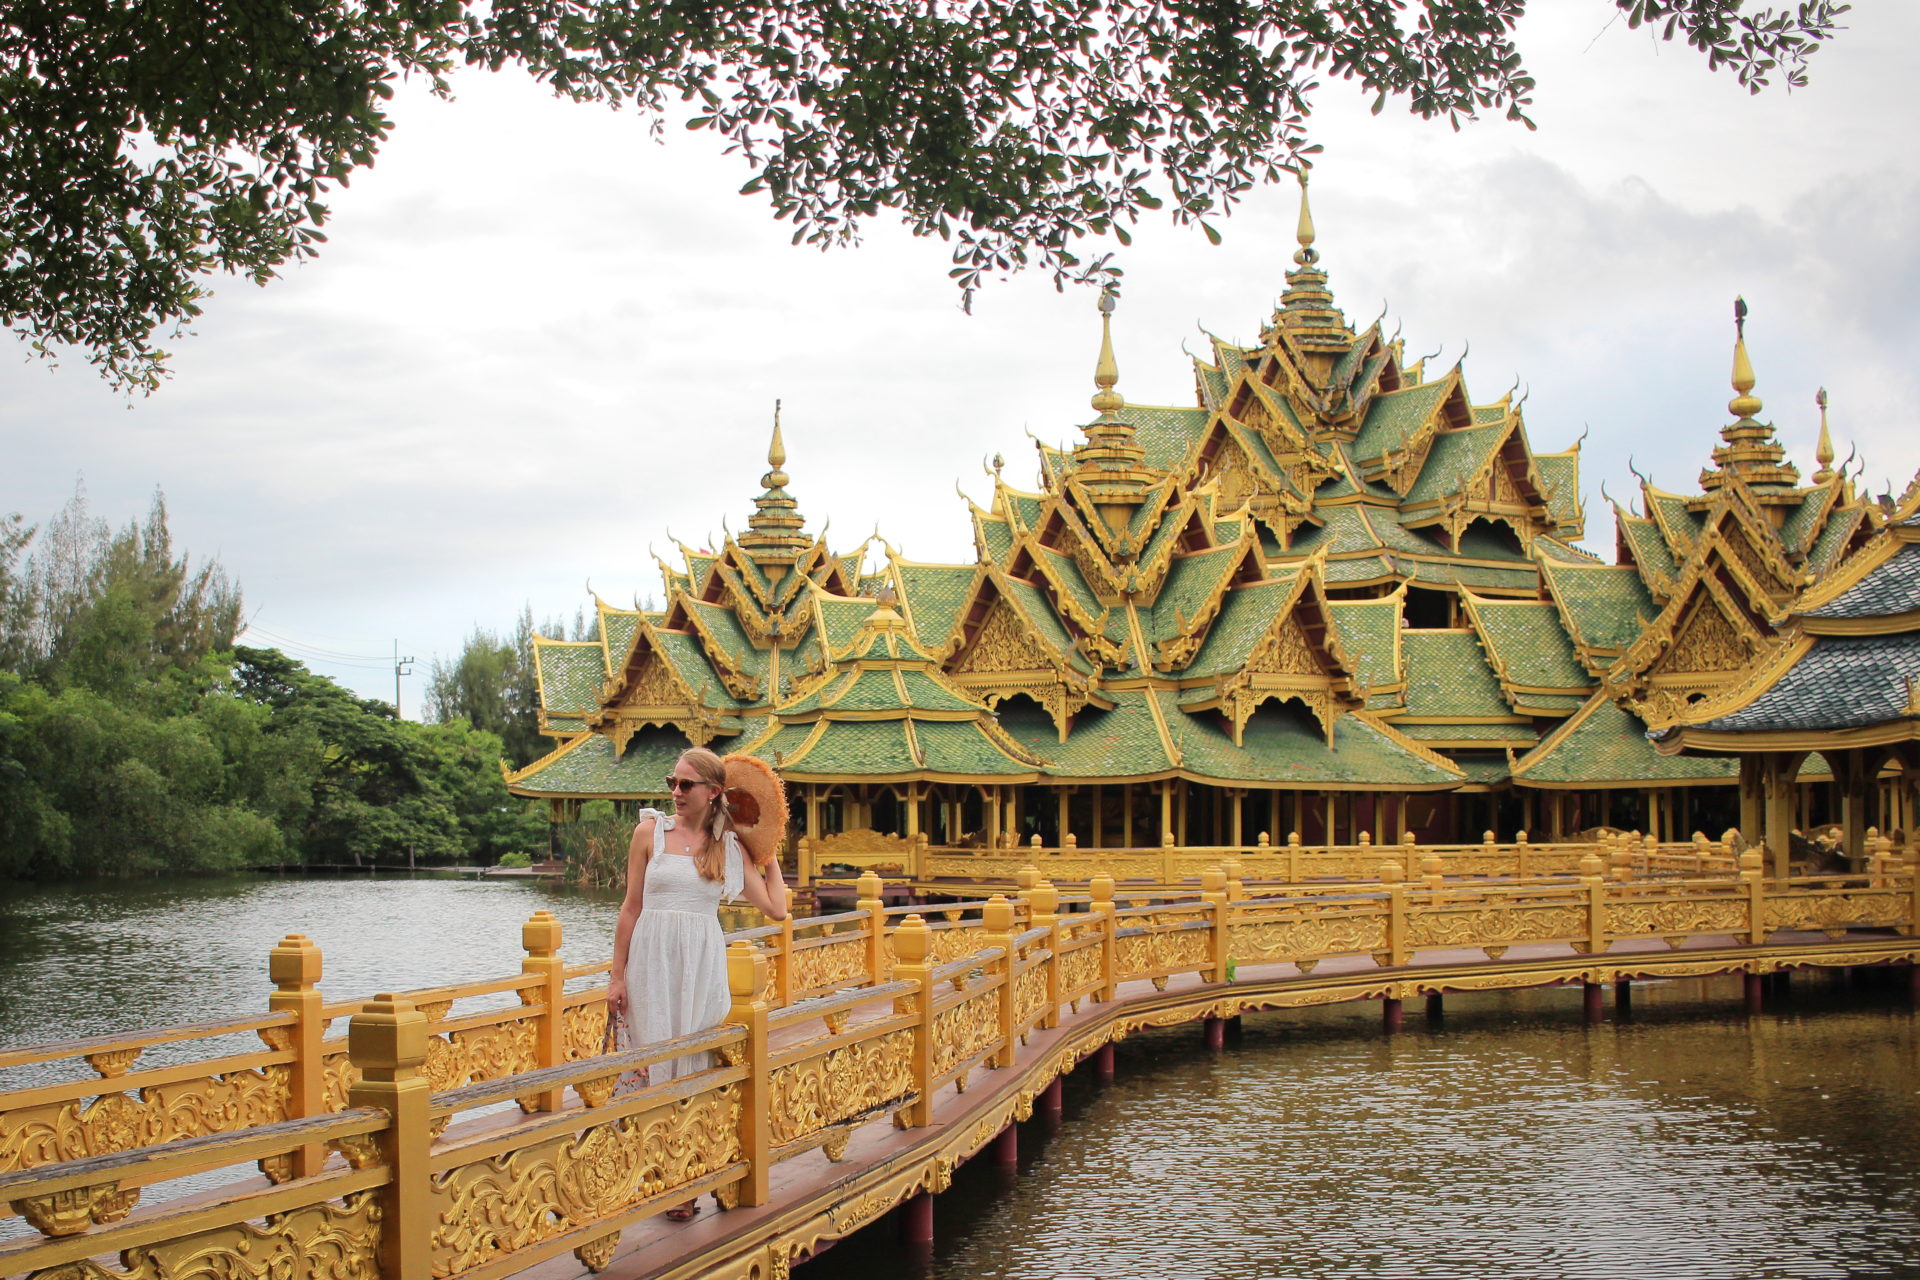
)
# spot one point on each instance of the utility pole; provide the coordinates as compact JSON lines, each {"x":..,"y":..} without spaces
{"x":401,"y":667}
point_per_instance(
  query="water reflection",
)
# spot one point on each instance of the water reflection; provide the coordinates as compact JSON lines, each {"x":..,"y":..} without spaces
{"x":96,"y":959}
{"x":1509,"y":1140}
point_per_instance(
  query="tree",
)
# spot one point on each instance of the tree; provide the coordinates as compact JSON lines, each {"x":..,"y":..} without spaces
{"x":147,"y":147}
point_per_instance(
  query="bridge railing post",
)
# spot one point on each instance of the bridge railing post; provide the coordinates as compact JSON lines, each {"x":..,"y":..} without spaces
{"x":746,"y":987}
{"x":1752,"y":863}
{"x":996,"y":921}
{"x":540,"y":936}
{"x":294,"y":967}
{"x":1101,"y":888}
{"x":1522,"y":865}
{"x":783,"y":965}
{"x":912,"y":942}
{"x":1393,"y":877}
{"x":876,"y":926}
{"x":1294,"y":849}
{"x":1593,"y":880}
{"x":1213,"y":891}
{"x":1046,"y":903}
{"x":387,"y":1042}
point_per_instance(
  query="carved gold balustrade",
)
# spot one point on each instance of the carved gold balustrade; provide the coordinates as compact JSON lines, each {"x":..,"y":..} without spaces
{"x":835,"y":1022}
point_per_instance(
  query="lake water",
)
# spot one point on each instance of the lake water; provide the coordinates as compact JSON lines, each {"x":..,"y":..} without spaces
{"x":1509,"y":1140}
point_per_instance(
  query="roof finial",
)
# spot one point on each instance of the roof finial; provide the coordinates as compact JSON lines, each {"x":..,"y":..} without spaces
{"x":1107,"y":372}
{"x":777,"y":449}
{"x":1823,"y":452}
{"x":1744,"y":404}
{"x":1304,"y":231}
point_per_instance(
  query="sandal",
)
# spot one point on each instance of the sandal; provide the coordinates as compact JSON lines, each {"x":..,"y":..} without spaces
{"x":685,"y":1212}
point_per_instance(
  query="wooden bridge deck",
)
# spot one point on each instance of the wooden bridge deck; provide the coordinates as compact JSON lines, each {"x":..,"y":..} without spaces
{"x":815,"y":1202}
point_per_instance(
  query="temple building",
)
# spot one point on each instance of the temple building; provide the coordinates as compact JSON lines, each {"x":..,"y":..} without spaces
{"x":1334,"y":595}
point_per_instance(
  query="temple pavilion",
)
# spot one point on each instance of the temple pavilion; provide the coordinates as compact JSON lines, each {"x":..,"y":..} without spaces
{"x":1334,"y":595}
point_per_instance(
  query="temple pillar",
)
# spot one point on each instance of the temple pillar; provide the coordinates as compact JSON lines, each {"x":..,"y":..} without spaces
{"x":1182,"y":795}
{"x":1780,"y":778}
{"x":1165,"y":787}
{"x":1063,"y":815}
{"x":1332,"y":819}
{"x":1852,"y":778}
{"x":1234,"y":797}
{"x":915,"y":793}
{"x":813,"y":811}
{"x":1653,"y":813}
{"x":1753,"y":797}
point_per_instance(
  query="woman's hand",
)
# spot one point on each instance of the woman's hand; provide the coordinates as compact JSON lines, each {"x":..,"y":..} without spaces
{"x":617,"y":997}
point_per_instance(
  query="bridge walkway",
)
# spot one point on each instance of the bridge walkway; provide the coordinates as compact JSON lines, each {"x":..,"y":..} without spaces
{"x":815,"y":1201}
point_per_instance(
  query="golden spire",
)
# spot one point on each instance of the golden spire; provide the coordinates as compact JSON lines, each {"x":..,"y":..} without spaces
{"x":777,"y":448}
{"x":774,"y":528}
{"x":1304,"y":231}
{"x":1823,"y":452}
{"x":1749,"y":449}
{"x":1744,"y":404}
{"x":1107,"y":372}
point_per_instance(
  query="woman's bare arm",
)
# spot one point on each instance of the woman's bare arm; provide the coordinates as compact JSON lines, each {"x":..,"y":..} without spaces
{"x":766,"y":891}
{"x":638,"y":851}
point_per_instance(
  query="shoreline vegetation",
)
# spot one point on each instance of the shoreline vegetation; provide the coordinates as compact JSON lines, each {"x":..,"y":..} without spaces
{"x":137,"y":737}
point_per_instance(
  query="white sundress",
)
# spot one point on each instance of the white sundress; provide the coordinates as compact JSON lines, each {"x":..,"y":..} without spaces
{"x":677,"y":960}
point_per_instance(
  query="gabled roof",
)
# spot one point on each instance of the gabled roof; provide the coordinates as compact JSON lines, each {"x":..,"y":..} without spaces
{"x":1602,"y":745}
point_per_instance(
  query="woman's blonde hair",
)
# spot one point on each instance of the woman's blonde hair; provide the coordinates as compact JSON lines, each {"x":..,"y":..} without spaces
{"x":711,"y":861}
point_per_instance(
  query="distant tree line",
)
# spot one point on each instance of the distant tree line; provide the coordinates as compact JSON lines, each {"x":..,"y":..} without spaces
{"x":136,"y":736}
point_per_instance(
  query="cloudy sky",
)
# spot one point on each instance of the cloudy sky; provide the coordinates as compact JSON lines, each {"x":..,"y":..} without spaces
{"x":538,"y":341}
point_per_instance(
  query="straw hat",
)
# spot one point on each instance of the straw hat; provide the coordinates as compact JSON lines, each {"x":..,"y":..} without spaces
{"x":757,"y":800}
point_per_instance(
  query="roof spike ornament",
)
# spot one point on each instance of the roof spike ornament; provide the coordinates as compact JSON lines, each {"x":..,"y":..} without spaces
{"x":1307,"y":313}
{"x":1306,"y":255}
{"x":1744,"y":404}
{"x":1823,"y":452}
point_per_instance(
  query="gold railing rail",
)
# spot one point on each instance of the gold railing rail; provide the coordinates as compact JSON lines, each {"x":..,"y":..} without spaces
{"x":835,"y":1021}
{"x":1291,"y":861}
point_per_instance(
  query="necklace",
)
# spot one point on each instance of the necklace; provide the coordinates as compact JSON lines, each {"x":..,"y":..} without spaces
{"x":689,"y":846}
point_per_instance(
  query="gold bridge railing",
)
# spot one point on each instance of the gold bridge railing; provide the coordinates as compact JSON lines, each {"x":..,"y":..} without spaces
{"x":836,"y":1021}
{"x":1289,"y":862}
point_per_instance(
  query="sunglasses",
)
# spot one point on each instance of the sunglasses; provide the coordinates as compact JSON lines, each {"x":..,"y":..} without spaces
{"x":684,"y":784}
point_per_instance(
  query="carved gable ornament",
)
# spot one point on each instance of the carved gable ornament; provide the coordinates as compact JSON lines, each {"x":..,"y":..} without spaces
{"x":1004,"y":644}
{"x":1707,"y":643}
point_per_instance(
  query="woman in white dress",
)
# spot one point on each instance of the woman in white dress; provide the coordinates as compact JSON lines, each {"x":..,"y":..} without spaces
{"x":673,"y":981}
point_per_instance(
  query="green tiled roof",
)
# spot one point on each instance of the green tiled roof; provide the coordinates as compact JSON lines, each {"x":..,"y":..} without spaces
{"x":617,"y":628}
{"x":1487,"y":771}
{"x":997,"y":537}
{"x":1211,"y":382}
{"x":1526,"y":638}
{"x":1068,"y":575}
{"x":683,"y":652}
{"x":1550,"y":701}
{"x":1802,"y":522}
{"x":1456,"y":457}
{"x":1560,"y":473}
{"x":1448,"y":675}
{"x":1603,"y":744}
{"x":1369,"y":630}
{"x":890,"y":748}
{"x":571,"y":673}
{"x":1678,"y":525}
{"x":731,"y":637}
{"x":843,"y":619}
{"x":934,"y":595}
{"x":1515,"y":734}
{"x":1190,"y":584}
{"x":1121,"y":743}
{"x":1831,"y":542}
{"x":1485,"y":413}
{"x":1392,"y":418}
{"x":1284,"y":744}
{"x":1563,"y":553}
{"x":1244,"y":618}
{"x":1649,"y":549}
{"x":1034,"y":606}
{"x":587,"y":766}
{"x":1604,"y":606}
{"x":1167,"y":434}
